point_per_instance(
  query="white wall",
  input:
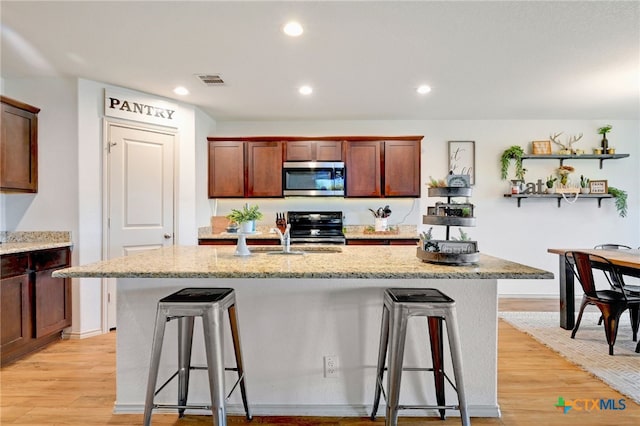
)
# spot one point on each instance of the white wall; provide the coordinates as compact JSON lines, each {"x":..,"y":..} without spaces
{"x":517,"y":234}
{"x":70,"y":193}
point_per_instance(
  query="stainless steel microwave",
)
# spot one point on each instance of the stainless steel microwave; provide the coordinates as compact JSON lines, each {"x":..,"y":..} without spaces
{"x":313,"y":178}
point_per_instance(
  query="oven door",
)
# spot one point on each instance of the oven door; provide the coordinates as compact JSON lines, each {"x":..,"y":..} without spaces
{"x":313,"y":179}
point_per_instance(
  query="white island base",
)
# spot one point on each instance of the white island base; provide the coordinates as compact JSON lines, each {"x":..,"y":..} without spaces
{"x":288,"y":326}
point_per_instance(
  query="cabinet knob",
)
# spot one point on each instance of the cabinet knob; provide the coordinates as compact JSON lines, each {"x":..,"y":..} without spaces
{"x":167,"y":236}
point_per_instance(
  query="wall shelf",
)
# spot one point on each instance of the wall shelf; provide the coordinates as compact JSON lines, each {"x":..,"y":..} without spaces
{"x":560,"y":157}
{"x":559,"y":197}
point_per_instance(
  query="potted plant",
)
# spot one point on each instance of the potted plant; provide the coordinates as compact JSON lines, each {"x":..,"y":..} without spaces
{"x":550,"y":181}
{"x":603,"y":131}
{"x":563,"y":172}
{"x":246,"y":217}
{"x":515,"y":153}
{"x":621,"y":200}
{"x":584,"y":185}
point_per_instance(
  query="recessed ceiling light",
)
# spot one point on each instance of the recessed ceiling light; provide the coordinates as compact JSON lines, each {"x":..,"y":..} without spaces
{"x":305,"y":90}
{"x":293,"y":29}
{"x":423,"y":89}
{"x":181,"y":91}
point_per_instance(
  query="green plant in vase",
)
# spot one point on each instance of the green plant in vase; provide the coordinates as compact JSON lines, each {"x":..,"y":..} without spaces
{"x":584,"y":184}
{"x":550,"y":182}
{"x":246,"y":217}
{"x":603,"y":131}
{"x":515,"y":153}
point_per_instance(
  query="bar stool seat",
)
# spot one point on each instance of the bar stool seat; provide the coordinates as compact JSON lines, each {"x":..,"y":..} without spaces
{"x":399,"y":305}
{"x":185,"y":305}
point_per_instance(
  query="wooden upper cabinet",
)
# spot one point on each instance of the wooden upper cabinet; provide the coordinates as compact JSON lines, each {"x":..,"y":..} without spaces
{"x":264,"y":169}
{"x":226,"y":169}
{"x":363,"y":169}
{"x":18,"y":146}
{"x":383,"y":168}
{"x":313,"y":151}
{"x":402,"y":168}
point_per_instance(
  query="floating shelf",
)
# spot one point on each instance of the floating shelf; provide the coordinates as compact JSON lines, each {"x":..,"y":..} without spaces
{"x":559,"y":197}
{"x":563,"y":157}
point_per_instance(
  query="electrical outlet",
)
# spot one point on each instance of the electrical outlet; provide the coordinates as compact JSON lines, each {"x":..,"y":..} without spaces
{"x":331,"y":366}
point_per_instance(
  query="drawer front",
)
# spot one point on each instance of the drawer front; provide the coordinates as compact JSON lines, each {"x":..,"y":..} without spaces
{"x":49,"y":259}
{"x":14,"y":264}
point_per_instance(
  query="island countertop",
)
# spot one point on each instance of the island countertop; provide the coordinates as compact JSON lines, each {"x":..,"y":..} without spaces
{"x":353,"y":262}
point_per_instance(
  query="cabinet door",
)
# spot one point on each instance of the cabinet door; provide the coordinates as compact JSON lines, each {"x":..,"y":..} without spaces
{"x":328,"y":151}
{"x":15,"y":314}
{"x":264,"y":169}
{"x":313,"y":151}
{"x":402,"y":168}
{"x":53,"y":303}
{"x":299,"y":151}
{"x":52,"y":295}
{"x":363,"y":169}
{"x":226,"y":169}
{"x":18,"y":147}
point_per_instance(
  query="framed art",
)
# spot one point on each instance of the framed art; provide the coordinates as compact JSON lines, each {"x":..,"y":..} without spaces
{"x":541,"y":147}
{"x":598,"y":187}
{"x":462,"y":159}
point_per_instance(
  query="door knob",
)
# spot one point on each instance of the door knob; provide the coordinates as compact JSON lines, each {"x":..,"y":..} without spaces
{"x":167,"y":236}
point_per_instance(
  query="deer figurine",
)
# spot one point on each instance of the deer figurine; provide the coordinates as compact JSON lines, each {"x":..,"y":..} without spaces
{"x":567,"y":148}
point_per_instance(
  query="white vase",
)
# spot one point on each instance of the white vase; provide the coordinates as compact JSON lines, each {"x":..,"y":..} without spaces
{"x":584,"y":190}
{"x":551,"y":190}
{"x":248,"y":227}
{"x":381,"y":224}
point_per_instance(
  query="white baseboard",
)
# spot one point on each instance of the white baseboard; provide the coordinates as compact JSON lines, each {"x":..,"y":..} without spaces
{"x":76,"y":335}
{"x":317,"y":410}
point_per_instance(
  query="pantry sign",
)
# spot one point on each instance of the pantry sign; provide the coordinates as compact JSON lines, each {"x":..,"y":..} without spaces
{"x":139,"y":108}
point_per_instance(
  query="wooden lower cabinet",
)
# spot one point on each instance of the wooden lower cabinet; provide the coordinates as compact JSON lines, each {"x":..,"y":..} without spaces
{"x":383,"y":242}
{"x":34,"y":307}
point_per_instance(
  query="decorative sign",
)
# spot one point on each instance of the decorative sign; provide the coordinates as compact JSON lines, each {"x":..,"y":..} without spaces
{"x":139,"y":108}
{"x":598,"y":186}
{"x":541,"y":147}
{"x":462,"y":159}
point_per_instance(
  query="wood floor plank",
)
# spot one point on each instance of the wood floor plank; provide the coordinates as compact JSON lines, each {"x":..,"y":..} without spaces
{"x":73,"y":383}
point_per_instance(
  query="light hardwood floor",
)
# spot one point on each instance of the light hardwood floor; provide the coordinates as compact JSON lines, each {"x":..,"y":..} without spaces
{"x":73,"y":383}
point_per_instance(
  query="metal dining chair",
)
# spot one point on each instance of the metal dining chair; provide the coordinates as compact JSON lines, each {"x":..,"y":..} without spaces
{"x":611,"y":303}
{"x":618,"y":280}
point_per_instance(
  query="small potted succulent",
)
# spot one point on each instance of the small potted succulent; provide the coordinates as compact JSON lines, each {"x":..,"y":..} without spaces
{"x":550,"y":182}
{"x":584,"y":185}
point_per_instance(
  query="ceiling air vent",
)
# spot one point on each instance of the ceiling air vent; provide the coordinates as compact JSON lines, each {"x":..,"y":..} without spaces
{"x":211,"y":79}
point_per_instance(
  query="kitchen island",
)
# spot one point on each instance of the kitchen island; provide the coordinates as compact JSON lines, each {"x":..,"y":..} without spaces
{"x":295,"y":310}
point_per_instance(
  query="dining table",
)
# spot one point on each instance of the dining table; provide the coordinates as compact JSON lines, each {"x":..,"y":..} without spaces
{"x":627,"y":261}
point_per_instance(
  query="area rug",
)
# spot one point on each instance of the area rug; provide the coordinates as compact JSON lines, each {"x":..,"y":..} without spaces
{"x":589,"y":350}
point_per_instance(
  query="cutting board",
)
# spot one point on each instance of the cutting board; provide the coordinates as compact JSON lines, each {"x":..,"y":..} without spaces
{"x":218,"y":224}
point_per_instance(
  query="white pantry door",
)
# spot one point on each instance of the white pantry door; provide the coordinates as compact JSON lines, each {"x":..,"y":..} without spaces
{"x":140,"y":200}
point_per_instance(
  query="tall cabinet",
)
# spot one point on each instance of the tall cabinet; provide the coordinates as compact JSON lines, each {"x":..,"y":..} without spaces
{"x":18,"y":146}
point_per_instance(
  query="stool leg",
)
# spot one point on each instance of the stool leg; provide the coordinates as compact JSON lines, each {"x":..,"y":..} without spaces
{"x":235,"y":334}
{"x":154,"y":365}
{"x":382,"y":355}
{"x":185,"y":341}
{"x":456,"y":357}
{"x":212,"y":325}
{"x":435,"y":337}
{"x":397,"y":337}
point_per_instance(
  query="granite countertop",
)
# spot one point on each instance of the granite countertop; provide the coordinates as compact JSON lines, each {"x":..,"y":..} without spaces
{"x":383,"y":262}
{"x":352,"y":232}
{"x":27,"y":241}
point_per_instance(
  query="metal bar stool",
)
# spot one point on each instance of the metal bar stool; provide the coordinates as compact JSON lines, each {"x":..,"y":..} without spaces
{"x":185,"y":305}
{"x":399,"y":305}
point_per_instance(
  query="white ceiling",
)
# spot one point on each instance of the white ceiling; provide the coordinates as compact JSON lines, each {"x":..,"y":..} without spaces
{"x":484,"y":60}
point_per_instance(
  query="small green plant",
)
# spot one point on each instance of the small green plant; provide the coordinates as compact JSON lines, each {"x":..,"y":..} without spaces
{"x":515,"y":153}
{"x":584,"y":182}
{"x":466,"y":211}
{"x":247,"y":214}
{"x":463,"y":236}
{"x":426,"y":236}
{"x":550,"y":181}
{"x":621,"y":200}
{"x":604,"y":130}
{"x":434,"y":183}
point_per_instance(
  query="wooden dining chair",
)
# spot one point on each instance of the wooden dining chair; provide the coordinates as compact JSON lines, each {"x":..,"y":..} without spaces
{"x":611,"y":302}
